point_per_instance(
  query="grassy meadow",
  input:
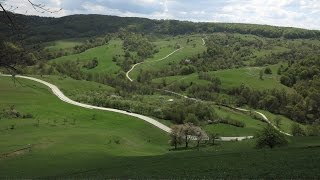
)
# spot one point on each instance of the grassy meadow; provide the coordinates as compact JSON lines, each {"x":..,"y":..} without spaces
{"x":104,"y":54}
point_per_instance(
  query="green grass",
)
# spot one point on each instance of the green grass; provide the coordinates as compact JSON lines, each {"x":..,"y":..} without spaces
{"x":65,"y":45}
{"x":232,"y":160}
{"x":285,"y":124}
{"x":118,"y":146}
{"x":252,"y":126}
{"x":71,"y":87}
{"x":248,"y":76}
{"x":104,"y":54}
{"x":58,"y":142}
{"x":184,"y":79}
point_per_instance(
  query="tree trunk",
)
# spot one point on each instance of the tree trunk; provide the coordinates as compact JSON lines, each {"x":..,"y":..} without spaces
{"x":186,"y":141}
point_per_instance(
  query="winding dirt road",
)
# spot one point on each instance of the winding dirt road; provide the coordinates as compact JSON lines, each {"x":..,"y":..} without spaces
{"x":56,"y":91}
{"x":203,"y":42}
{"x":132,"y":68}
{"x":239,"y":109}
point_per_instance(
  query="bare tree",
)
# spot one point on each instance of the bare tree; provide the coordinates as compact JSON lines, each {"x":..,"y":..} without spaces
{"x":187,"y":131}
{"x":176,"y":135}
{"x":13,"y":54}
{"x":199,"y":134}
{"x":212,"y":137}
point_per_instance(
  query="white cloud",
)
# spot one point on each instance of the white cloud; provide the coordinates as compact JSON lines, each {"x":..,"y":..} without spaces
{"x":296,"y":13}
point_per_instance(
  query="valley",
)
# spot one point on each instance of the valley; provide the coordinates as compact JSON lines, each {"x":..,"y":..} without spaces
{"x":181,"y":99}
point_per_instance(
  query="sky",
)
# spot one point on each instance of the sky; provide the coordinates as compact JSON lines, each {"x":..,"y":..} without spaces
{"x":292,"y":13}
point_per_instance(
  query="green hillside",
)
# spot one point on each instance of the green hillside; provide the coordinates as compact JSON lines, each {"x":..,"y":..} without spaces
{"x":103,"y":54}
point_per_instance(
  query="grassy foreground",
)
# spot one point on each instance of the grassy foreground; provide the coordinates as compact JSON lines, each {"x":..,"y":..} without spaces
{"x":108,"y":145}
{"x":67,"y":136}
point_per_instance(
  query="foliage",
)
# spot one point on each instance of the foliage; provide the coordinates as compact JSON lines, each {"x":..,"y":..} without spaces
{"x":13,"y":54}
{"x":12,"y":113}
{"x":185,"y":133}
{"x":92,"y":64}
{"x":233,"y":122}
{"x":268,"y":70}
{"x":270,"y":137}
{"x":94,"y":25}
{"x":297,"y":130}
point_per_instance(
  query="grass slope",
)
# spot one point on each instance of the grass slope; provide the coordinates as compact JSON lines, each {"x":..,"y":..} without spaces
{"x":249,"y":76}
{"x":65,"y":45}
{"x":285,"y":163}
{"x":104,"y":54}
{"x":60,"y":146}
{"x":112,"y":145}
{"x":71,"y":87}
{"x":75,"y":88}
{"x":252,"y":126}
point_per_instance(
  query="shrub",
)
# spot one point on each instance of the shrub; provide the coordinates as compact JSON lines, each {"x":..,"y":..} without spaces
{"x":313,"y":130}
{"x":297,"y":130}
{"x":27,"y":116}
{"x":270,"y":137}
{"x":268,"y":71}
{"x":233,"y":122}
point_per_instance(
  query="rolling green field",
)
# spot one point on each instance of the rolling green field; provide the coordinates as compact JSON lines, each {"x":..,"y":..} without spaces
{"x":71,"y":142}
{"x":71,"y":87}
{"x":65,"y":141}
{"x":232,"y":160}
{"x":66,"y":134}
{"x":252,"y":126}
{"x":248,"y":76}
{"x":104,"y":54}
{"x":285,"y":124}
{"x":65,"y":45}
{"x":74,"y":88}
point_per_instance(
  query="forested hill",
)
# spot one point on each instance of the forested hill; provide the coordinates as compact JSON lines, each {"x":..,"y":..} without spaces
{"x":37,"y":29}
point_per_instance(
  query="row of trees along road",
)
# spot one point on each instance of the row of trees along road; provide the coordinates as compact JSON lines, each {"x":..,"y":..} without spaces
{"x":185,"y":133}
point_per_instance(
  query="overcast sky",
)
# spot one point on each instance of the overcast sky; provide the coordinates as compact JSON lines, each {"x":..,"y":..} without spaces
{"x":295,"y":13}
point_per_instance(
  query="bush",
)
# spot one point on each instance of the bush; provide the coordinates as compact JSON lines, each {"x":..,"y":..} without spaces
{"x":297,"y":130}
{"x":92,"y":64}
{"x":270,"y":137}
{"x":313,"y":130}
{"x":10,"y":113}
{"x":27,"y":116}
{"x":228,"y":120}
{"x":192,"y":119}
{"x":268,"y":71}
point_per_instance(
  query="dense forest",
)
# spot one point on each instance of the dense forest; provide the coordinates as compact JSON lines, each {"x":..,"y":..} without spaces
{"x":36,"y":29}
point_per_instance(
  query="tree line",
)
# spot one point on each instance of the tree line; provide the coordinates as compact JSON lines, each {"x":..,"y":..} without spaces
{"x":44,"y":29}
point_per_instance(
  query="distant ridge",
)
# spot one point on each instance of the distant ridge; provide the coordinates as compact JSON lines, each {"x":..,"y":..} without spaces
{"x":42,"y":29}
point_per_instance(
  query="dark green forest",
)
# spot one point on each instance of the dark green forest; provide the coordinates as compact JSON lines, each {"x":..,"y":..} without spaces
{"x":36,"y":29}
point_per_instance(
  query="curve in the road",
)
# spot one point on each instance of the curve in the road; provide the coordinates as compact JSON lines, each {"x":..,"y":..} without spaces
{"x":56,"y":91}
{"x":203,"y":42}
{"x":239,"y":109}
{"x":132,"y":68}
